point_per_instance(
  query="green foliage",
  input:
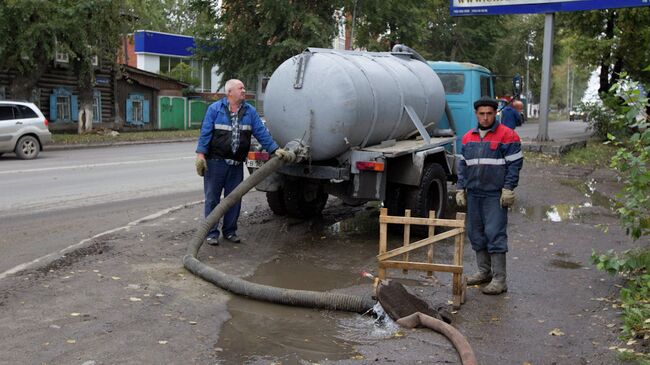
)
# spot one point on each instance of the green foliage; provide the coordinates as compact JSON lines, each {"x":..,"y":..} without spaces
{"x":599,"y":119}
{"x":28,"y":29}
{"x":380,"y":24}
{"x":632,"y":266}
{"x":614,"y":39}
{"x":253,"y":37}
{"x":183,"y":72}
{"x":632,"y":160}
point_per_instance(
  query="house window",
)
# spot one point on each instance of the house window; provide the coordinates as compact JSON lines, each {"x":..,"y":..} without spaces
{"x":97,"y":106}
{"x":137,"y":109}
{"x":137,"y":114}
{"x":95,"y":61}
{"x":61,"y":57}
{"x":63,"y":105}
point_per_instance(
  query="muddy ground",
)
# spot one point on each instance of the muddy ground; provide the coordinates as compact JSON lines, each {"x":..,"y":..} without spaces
{"x":126,"y":299}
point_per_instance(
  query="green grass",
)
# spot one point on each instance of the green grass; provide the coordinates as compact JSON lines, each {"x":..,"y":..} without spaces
{"x":105,"y":137}
{"x":596,"y":155}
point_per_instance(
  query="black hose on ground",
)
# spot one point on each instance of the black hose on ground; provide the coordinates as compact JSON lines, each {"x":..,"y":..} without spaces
{"x":302,"y":298}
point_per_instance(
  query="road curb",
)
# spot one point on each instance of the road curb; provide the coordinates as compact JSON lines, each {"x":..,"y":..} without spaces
{"x":59,"y":147}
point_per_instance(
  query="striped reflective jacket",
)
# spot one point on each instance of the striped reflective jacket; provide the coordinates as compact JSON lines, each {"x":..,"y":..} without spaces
{"x":490,"y":163}
{"x":215,"y":140}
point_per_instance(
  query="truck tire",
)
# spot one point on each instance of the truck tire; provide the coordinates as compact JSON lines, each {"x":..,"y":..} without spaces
{"x":303,"y":199}
{"x":430,"y":195}
{"x":276,"y":202}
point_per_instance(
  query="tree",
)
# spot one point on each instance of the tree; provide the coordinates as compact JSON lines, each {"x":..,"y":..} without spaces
{"x":97,"y":28}
{"x":29,"y":31}
{"x":380,"y":24}
{"x":615,"y":40}
{"x":253,"y":37}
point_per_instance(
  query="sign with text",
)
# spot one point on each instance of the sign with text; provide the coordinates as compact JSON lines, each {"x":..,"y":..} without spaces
{"x":497,"y":7}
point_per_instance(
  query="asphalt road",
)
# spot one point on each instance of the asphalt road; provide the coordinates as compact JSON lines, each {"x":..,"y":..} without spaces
{"x":66,"y":196}
{"x":558,"y":130}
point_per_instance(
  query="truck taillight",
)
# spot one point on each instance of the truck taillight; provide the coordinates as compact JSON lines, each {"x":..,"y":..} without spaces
{"x":370,"y":166}
{"x":258,"y":156}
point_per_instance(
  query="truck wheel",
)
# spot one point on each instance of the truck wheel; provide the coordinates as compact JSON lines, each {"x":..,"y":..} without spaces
{"x":431,"y":194}
{"x":303,"y":199}
{"x":276,"y":202}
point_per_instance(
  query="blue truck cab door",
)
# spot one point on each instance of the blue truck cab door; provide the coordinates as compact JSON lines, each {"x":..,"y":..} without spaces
{"x":464,"y":83}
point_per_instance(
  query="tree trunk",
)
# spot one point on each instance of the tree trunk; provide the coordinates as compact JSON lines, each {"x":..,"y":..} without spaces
{"x":85,"y":118}
{"x":85,"y":110}
{"x":605,"y":83}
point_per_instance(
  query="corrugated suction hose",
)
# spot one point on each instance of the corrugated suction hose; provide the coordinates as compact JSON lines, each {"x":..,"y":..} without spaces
{"x":301,"y":298}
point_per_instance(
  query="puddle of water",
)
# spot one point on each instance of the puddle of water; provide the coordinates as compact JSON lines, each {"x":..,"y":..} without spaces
{"x":564,"y":264}
{"x":553,"y":213}
{"x":589,"y":190}
{"x":263,"y":332}
{"x":569,"y":212}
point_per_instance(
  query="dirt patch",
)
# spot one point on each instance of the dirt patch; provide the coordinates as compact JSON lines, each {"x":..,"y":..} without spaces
{"x":127,"y":299}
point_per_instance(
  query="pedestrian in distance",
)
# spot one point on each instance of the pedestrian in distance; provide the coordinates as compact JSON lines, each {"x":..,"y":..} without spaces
{"x":510,"y":117}
{"x":222,"y":147}
{"x":519,"y":106}
{"x":488,"y":173}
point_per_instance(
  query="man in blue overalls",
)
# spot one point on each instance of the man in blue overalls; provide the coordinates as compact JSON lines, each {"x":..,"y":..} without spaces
{"x":488,"y":172}
{"x":223,"y":145}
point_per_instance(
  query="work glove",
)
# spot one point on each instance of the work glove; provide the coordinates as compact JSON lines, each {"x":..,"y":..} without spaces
{"x":201,"y":166}
{"x":285,"y":155}
{"x":460,"y":198}
{"x":507,"y":197}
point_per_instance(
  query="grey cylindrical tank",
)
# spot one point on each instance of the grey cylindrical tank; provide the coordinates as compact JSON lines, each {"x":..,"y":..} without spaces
{"x":335,"y":100}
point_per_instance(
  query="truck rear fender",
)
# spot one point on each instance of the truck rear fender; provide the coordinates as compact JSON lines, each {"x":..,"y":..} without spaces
{"x":407,"y":170}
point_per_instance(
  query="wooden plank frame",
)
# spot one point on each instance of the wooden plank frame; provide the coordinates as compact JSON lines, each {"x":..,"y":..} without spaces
{"x":391,"y":259}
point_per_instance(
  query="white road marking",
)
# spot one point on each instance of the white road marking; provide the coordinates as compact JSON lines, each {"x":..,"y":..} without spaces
{"x":87,"y":166}
{"x":54,"y":255}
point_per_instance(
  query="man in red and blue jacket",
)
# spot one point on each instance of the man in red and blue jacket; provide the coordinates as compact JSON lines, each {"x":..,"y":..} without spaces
{"x":222,"y":147}
{"x":488,"y":173}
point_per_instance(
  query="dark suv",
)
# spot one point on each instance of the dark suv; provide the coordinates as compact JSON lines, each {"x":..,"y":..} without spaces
{"x":23,"y":129}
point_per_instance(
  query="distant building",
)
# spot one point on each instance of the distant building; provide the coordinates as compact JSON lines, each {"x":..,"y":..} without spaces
{"x":159,"y":52}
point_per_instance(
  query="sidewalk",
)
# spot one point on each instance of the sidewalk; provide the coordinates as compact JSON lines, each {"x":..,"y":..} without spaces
{"x":563,"y":137}
{"x":59,"y":146}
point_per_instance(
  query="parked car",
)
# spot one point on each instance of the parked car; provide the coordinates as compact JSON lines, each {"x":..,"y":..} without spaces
{"x":23,"y":129}
{"x":576,"y":114}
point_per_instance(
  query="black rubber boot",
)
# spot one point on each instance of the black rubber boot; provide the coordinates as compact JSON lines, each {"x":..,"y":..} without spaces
{"x":484,"y":274}
{"x":498,"y":284}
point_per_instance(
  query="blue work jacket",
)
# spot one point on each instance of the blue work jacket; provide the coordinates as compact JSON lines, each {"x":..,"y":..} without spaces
{"x":215,"y":140}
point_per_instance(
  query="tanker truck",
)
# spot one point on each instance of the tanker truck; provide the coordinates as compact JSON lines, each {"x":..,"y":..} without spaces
{"x":371,"y":126}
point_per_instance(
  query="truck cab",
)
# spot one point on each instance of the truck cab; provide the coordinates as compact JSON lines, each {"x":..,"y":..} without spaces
{"x":464,"y":83}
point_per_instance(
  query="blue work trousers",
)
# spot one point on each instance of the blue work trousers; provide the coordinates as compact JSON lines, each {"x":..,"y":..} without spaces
{"x":487,"y":223}
{"x":221,"y":177}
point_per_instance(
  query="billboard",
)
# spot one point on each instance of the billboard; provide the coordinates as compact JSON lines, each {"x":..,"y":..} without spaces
{"x":496,"y":7}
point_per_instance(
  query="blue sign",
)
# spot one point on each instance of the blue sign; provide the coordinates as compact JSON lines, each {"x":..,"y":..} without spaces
{"x":497,"y":7}
{"x":102,"y":80}
{"x":163,"y":44}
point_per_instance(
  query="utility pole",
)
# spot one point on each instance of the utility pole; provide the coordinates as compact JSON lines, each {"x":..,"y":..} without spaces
{"x":568,"y":85}
{"x":528,"y":98}
{"x":547,"y":65}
